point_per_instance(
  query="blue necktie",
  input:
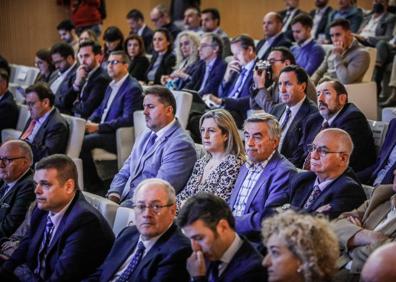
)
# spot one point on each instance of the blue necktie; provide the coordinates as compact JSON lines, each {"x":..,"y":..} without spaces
{"x":206,"y":76}
{"x":287,"y":117}
{"x":3,"y":191}
{"x":150,"y":142}
{"x":238,"y":85}
{"x":314,"y":195}
{"x":137,"y":257}
{"x":42,"y":254}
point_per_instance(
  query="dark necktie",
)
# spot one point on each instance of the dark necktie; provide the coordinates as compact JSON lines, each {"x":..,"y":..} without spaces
{"x":3,"y":190}
{"x":311,"y":199}
{"x":287,"y":117}
{"x":214,"y":271}
{"x":150,"y":142}
{"x":42,"y":254}
{"x":137,"y":257}
{"x":238,"y":84}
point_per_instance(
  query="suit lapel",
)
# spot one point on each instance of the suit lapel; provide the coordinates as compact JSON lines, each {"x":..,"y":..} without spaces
{"x":43,"y":127}
{"x":238,"y":184}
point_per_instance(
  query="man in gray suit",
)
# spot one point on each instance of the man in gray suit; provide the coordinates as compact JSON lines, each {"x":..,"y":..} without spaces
{"x":165,"y":151}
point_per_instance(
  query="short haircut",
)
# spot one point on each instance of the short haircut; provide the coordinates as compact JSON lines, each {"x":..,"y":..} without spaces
{"x":4,"y":75}
{"x":113,"y":33}
{"x":215,"y":14}
{"x":165,"y":184}
{"x":139,"y":39}
{"x":135,"y":14}
{"x":345,"y":24}
{"x":216,"y":41}
{"x":96,"y":48}
{"x":62,"y":49}
{"x":163,"y":94}
{"x":304,"y":19}
{"x":162,"y":9}
{"x":43,"y":92}
{"x":23,"y":148}
{"x":274,"y":128}
{"x":339,"y":87}
{"x":123,"y":55}
{"x":206,"y":207}
{"x":65,"y":25}
{"x":302,"y":76}
{"x":286,"y":54}
{"x":167,"y":34}
{"x":196,"y":9}
{"x":245,"y":41}
{"x":64,"y":165}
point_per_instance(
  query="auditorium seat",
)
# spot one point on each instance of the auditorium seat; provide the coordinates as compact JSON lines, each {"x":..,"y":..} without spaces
{"x":106,"y":207}
{"x":364,"y":96}
{"x":21,"y":76}
{"x":123,"y":218}
{"x":379,"y":129}
{"x":11,"y":133}
{"x":388,"y":114}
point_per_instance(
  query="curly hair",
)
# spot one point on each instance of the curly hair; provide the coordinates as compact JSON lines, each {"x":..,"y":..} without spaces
{"x":310,"y":239}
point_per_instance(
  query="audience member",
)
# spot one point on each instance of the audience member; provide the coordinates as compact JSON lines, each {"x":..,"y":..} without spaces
{"x":43,"y":62}
{"x":217,"y":170}
{"x":347,"y":61}
{"x":164,"y":151}
{"x":192,"y":20}
{"x":87,"y":15}
{"x":68,"y":238}
{"x":320,"y":16}
{"x":154,"y":251}
{"x":391,"y":100}
{"x":87,"y":34}
{"x":4,"y":65}
{"x":113,"y":41}
{"x":336,"y":111}
{"x":67,"y":33}
{"x":264,"y":177}
{"x":8,"y":108}
{"x":210,"y":21}
{"x":139,"y":63}
{"x":348,"y":11}
{"x":123,"y":96}
{"x":46,"y":131}
{"x":219,"y":253}
{"x":163,"y":59}
{"x":91,"y":80}
{"x":300,"y":248}
{"x":288,"y":16}
{"x":17,"y":187}
{"x":160,"y":17}
{"x":378,"y":266}
{"x":307,"y":52}
{"x":63,"y":59}
{"x":273,"y":35}
{"x":330,"y":187}
{"x":137,"y":26}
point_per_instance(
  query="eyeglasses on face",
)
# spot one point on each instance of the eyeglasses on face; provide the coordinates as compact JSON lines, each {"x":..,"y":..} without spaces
{"x":156,"y":208}
{"x":7,"y":161}
{"x":322,"y":151}
{"x":115,"y":62}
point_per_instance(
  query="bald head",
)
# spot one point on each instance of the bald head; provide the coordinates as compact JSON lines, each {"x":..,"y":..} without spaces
{"x":272,"y":24}
{"x":342,"y":139}
{"x":379,"y":266}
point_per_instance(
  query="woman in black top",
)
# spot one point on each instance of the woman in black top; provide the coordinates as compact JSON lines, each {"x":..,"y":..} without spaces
{"x":134,"y":47}
{"x":43,"y":62}
{"x":113,"y":41}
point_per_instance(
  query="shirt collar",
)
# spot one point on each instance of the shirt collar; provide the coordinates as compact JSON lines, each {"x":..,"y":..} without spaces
{"x":64,"y":74}
{"x":294,"y":109}
{"x":148,"y":244}
{"x":45,"y":116}
{"x":117,"y":84}
{"x":306,"y":42}
{"x":330,"y":120}
{"x":232,"y":249}
{"x":163,"y":130}
{"x":324,"y":184}
{"x":260,"y":165}
{"x":250,"y":65}
{"x":140,"y":30}
{"x":57,"y":217}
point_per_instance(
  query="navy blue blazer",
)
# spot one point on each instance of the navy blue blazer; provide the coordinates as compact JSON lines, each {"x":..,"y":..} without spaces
{"x":8,"y":111}
{"x":127,"y":100}
{"x":368,"y":175}
{"x":165,"y":261}
{"x":294,"y":133}
{"x":65,"y":95}
{"x":281,"y":40}
{"x":79,"y":245}
{"x":344,"y":194}
{"x":353,"y":121}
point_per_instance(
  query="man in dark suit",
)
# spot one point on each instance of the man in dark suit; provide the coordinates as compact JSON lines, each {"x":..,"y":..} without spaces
{"x":135,"y":20}
{"x":123,"y":96}
{"x":160,"y":17}
{"x":335,"y":111}
{"x":294,"y":109}
{"x":8,"y":108}
{"x":288,"y":15}
{"x":62,"y":55}
{"x":330,"y":187}
{"x":91,"y":80}
{"x":68,"y":238}
{"x":46,"y":131}
{"x":263,"y":179}
{"x":154,"y":249}
{"x":320,"y":17}
{"x":219,"y":253}
{"x":17,"y":187}
{"x":273,"y":35}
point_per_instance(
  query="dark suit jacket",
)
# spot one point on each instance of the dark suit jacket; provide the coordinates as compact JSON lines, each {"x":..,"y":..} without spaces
{"x":127,"y":100}
{"x":65,"y":95}
{"x":281,"y":40}
{"x":369,"y":174}
{"x":353,"y":121}
{"x":138,"y":67}
{"x":165,"y":68}
{"x":147,"y":36}
{"x":14,"y":205}
{"x":289,"y":33}
{"x":344,"y":194}
{"x":51,"y":138}
{"x":8,"y":111}
{"x":92,"y":94}
{"x":78,"y":247}
{"x":322,"y":26}
{"x":165,"y":261}
{"x":294,"y":133}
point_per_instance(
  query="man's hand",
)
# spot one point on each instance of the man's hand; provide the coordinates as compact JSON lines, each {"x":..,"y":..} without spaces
{"x":259,"y":79}
{"x":232,"y":67}
{"x":323,"y":208}
{"x":91,"y":127}
{"x":213,"y":99}
{"x":355,"y":220}
{"x":115,"y":199}
{"x":339,"y":47}
{"x":81,"y":75}
{"x":196,"y":264}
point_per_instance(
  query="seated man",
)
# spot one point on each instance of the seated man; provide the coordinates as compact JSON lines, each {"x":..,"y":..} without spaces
{"x":68,"y":238}
{"x":347,"y":10}
{"x":335,"y":111}
{"x":330,"y":187}
{"x":320,"y":16}
{"x":46,"y":131}
{"x":136,"y":24}
{"x":366,"y":228}
{"x":288,"y":15}
{"x":262,"y":179}
{"x":17,"y":187}
{"x":67,"y":33}
{"x":347,"y":61}
{"x":123,"y":96}
{"x":165,"y":151}
{"x":192,"y":20}
{"x":154,"y":249}
{"x":161,"y":19}
{"x":377,"y":268}
{"x":219,"y":253}
{"x":8,"y":107}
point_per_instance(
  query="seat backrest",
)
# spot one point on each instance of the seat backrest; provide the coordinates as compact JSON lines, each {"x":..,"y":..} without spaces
{"x":379,"y":129}
{"x":76,"y":135}
{"x":139,"y":123}
{"x":23,"y":117}
{"x":124,"y":217}
{"x":106,"y":207}
{"x":364,"y":96}
{"x":125,"y":138}
{"x":183,"y":106}
{"x":199,"y":149}
{"x":24,"y":75}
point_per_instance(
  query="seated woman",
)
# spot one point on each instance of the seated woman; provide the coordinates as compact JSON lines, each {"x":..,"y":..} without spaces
{"x":134,"y":48}
{"x":44,"y":63}
{"x":187,"y":59}
{"x":87,"y":34}
{"x":217,"y":170}
{"x":163,"y":60}
{"x":113,"y":41}
{"x":300,"y":248}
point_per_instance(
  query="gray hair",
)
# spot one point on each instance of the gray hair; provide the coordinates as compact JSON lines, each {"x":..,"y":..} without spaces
{"x":23,"y":148}
{"x":165,"y":184}
{"x":275,"y":130}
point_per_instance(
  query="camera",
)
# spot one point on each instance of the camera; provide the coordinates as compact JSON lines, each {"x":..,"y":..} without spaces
{"x":263,"y":65}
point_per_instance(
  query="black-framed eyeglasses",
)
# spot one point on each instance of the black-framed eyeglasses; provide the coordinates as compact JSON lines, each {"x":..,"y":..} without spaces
{"x":156,"y":208}
{"x":322,"y":151}
{"x":115,"y":62}
{"x":272,"y":61}
{"x":7,"y":161}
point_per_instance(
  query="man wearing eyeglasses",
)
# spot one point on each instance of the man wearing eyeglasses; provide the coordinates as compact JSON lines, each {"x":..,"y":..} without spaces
{"x":16,"y":185}
{"x":330,"y":187}
{"x":154,"y":249}
{"x":123,"y":96}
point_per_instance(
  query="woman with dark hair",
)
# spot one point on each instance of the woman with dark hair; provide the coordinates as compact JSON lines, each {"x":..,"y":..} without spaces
{"x":43,"y":62}
{"x":163,"y":59}
{"x":134,"y":48}
{"x":113,"y":41}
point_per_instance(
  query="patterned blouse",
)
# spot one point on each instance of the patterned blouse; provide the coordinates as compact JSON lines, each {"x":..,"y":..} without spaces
{"x":220,"y":180}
